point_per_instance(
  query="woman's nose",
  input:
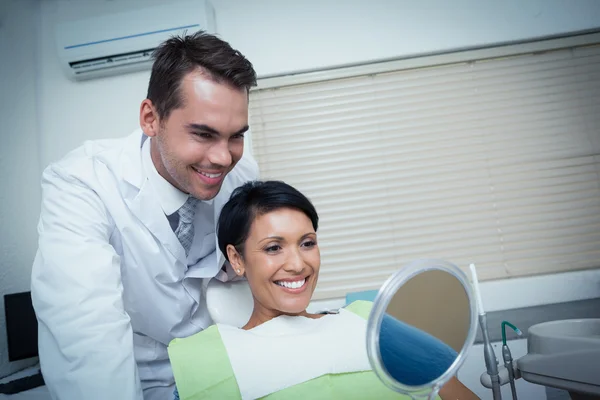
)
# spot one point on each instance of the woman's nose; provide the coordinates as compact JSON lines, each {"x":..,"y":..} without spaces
{"x":295,"y":262}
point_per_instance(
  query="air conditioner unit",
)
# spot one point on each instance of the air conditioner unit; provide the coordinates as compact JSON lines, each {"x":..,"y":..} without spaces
{"x":117,"y":43}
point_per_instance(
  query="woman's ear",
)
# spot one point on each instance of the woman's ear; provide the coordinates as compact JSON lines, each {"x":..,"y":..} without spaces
{"x":235,"y":259}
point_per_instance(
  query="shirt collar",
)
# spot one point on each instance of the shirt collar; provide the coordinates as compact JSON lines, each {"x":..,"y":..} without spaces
{"x":170,"y":198}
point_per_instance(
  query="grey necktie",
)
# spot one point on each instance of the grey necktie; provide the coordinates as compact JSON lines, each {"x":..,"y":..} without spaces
{"x":185,"y":228}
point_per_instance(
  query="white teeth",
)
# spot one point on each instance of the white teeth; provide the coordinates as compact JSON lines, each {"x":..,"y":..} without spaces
{"x":291,"y":285}
{"x":210,"y":175}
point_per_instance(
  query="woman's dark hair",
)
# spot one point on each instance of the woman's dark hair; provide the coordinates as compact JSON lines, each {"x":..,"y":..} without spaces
{"x":179,"y":55}
{"x":254,"y":199}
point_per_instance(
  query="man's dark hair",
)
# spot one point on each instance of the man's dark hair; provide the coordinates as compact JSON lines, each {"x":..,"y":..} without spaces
{"x":179,"y":55}
{"x":253,"y":199}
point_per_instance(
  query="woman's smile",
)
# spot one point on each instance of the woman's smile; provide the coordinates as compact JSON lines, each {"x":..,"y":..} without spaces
{"x":293,"y":286}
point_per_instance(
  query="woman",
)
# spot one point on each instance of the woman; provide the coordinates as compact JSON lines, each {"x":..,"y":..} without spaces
{"x":267,"y":231}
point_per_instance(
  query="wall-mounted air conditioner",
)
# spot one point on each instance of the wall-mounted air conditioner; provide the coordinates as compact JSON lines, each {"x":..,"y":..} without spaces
{"x":118,"y":43}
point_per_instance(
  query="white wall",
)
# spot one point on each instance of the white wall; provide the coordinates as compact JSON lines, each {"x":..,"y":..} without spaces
{"x":286,"y":35}
{"x":73,"y":112}
{"x":279,"y":36}
{"x":19,"y":153}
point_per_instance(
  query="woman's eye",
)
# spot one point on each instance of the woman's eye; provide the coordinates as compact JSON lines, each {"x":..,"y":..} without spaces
{"x":309,"y":243}
{"x":273,"y":249}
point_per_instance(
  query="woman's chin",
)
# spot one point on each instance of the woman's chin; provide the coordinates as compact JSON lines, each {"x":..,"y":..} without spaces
{"x":296,"y":307}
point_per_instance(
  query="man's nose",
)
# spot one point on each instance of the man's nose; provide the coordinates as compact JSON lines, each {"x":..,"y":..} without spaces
{"x":220,"y":154}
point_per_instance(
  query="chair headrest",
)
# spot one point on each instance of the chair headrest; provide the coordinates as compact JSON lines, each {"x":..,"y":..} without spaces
{"x":229,"y":303}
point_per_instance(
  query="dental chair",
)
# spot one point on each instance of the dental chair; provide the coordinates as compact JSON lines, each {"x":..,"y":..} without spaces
{"x":229,"y":303}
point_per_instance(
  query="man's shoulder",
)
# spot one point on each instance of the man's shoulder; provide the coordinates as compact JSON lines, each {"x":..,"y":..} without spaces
{"x":81,"y":162}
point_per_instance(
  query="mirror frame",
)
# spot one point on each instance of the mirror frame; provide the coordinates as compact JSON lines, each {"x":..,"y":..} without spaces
{"x":380,"y":304}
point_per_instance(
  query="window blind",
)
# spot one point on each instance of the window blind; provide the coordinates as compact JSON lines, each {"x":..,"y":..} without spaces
{"x":494,"y":162}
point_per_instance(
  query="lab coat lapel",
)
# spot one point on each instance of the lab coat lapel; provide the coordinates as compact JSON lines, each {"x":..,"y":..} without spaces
{"x":143,"y":203}
{"x":148,"y":210}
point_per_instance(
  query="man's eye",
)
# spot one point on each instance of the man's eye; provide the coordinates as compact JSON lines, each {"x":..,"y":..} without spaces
{"x":204,"y":135}
{"x":238,"y":137}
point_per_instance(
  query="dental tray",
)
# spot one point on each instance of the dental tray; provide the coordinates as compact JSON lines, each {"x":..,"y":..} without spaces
{"x":564,"y":354}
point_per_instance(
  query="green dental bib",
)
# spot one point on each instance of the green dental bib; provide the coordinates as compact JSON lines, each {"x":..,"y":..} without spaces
{"x":202,"y":370}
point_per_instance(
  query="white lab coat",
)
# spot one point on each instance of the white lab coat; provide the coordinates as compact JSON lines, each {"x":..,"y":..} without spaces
{"x":110,"y":282}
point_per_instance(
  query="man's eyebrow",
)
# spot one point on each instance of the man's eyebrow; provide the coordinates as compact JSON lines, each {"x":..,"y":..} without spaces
{"x":243,"y":130}
{"x":208,"y":129}
{"x":203,"y":128}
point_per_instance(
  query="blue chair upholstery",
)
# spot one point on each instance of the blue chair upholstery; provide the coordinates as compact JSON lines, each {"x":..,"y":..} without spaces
{"x":367,"y":295}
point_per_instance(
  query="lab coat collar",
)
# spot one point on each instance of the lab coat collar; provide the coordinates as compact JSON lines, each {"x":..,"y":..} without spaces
{"x":143,"y":202}
{"x":145,"y":206}
{"x":169,"y":197}
{"x":132,"y":170}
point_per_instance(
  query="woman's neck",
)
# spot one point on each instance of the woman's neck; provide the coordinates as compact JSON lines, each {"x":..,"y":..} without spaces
{"x":260,"y":315}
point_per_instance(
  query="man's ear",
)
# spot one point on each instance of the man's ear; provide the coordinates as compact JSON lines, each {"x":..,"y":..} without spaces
{"x":149,"y":121}
{"x":235,"y":259}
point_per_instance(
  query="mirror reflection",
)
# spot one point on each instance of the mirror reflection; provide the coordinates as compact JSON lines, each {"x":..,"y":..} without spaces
{"x":425,"y":327}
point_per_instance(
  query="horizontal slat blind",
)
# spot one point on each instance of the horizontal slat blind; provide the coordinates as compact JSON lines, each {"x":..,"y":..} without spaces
{"x":494,"y":162}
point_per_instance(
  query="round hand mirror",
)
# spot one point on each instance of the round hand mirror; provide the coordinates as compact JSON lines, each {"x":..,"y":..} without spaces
{"x":423,"y":321}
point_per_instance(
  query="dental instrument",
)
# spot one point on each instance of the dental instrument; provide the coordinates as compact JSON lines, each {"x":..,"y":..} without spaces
{"x":507,"y":356}
{"x":491,"y":362}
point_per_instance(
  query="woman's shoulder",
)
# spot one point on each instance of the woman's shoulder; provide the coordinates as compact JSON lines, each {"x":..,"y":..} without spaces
{"x":362,"y":308}
{"x":201,"y":366}
{"x":204,"y":344}
{"x":210,"y":333}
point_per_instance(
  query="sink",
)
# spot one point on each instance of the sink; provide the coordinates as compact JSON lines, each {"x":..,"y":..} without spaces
{"x":564,"y":354}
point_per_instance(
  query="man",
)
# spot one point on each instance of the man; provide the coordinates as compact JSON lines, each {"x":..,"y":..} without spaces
{"x":127,"y":228}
